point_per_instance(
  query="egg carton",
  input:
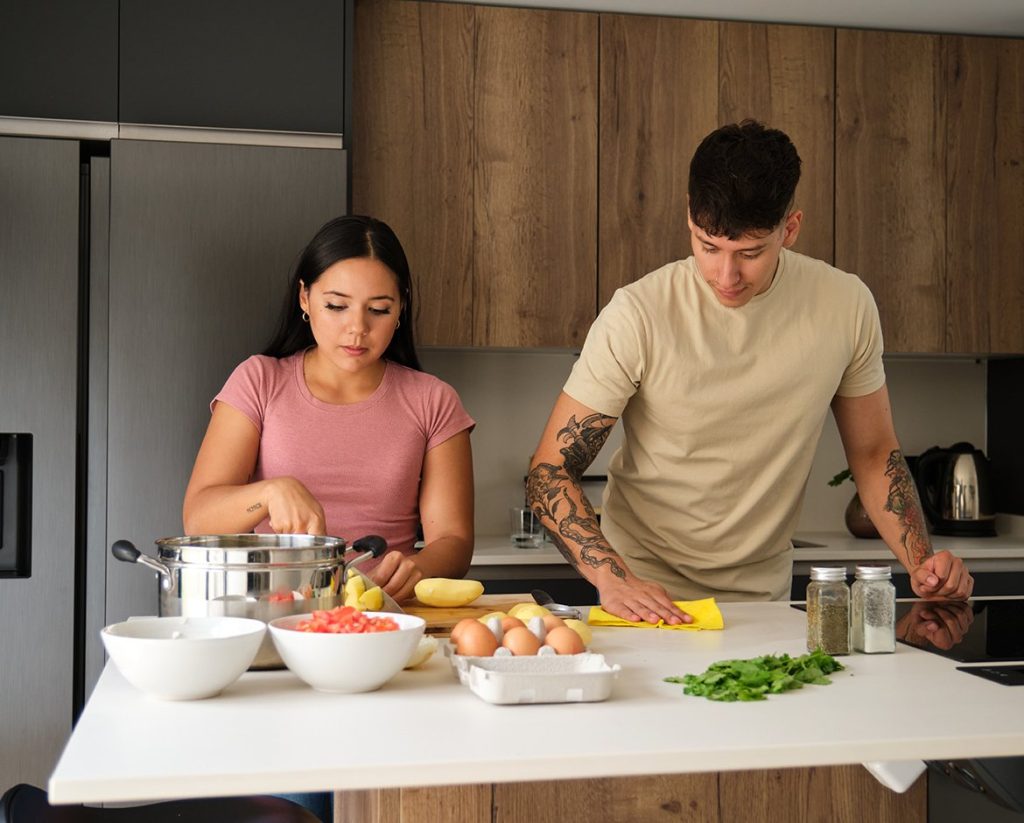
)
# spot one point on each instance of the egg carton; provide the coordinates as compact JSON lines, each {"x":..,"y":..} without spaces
{"x":572,"y":678}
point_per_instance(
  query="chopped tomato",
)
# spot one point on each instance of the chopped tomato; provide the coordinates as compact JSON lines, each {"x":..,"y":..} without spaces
{"x":345,"y":620}
{"x":280,"y":597}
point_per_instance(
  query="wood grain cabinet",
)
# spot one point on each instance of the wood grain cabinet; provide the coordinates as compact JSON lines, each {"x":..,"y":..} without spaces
{"x":984,"y":79}
{"x":930,"y":186}
{"x":667,"y":82}
{"x":890,"y":179}
{"x":475,"y":138}
{"x":534,"y":161}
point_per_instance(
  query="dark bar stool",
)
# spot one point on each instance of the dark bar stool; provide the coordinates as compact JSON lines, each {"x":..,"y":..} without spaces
{"x":27,"y":804}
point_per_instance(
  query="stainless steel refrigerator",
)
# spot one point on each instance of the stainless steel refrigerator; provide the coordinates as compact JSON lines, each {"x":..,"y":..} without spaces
{"x":134,"y":275}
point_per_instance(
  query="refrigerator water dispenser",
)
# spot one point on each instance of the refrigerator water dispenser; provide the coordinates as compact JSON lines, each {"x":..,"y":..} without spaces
{"x":15,"y":505}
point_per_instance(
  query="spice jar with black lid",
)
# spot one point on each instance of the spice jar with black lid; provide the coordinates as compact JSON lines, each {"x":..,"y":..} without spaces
{"x":828,"y":610}
{"x":873,"y":610}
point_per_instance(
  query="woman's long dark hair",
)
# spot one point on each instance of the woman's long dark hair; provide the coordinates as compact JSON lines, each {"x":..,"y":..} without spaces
{"x":345,"y":238}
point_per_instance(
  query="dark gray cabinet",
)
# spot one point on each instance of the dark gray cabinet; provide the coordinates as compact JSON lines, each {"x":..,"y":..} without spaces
{"x":233,"y":64}
{"x":58,"y":59}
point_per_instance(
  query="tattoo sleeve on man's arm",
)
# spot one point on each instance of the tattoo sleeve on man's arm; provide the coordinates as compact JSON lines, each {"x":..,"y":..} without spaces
{"x":902,"y":501}
{"x":548,"y":491}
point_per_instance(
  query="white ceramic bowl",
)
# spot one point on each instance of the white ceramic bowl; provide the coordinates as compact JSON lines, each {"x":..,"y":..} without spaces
{"x":347,"y":663}
{"x":183,"y":658}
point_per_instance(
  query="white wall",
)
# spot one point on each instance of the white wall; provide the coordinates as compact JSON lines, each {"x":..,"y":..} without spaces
{"x":510,"y":394}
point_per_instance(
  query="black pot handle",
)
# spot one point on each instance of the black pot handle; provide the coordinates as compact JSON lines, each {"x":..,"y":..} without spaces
{"x":125,"y":550}
{"x":372,"y":543}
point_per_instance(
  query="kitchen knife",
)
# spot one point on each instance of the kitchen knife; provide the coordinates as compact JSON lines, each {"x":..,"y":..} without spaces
{"x":390,"y":605}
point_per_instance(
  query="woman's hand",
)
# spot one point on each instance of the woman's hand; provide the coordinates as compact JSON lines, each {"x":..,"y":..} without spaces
{"x":639,"y":600}
{"x":397,"y":574}
{"x":291,"y":508}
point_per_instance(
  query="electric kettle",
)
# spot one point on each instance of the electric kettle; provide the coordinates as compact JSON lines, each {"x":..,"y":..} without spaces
{"x":956,"y":491}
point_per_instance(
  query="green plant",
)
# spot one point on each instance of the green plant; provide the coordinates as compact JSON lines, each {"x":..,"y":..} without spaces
{"x":755,"y":678}
{"x":845,"y":474}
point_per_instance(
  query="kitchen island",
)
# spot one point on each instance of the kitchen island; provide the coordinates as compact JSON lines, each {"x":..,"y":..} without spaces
{"x":649,"y":743}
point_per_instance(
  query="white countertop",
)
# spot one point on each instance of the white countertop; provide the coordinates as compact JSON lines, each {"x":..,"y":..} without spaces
{"x":271,"y":733}
{"x":834,"y":546}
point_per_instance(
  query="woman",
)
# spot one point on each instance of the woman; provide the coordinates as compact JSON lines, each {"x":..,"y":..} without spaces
{"x":334,"y":429}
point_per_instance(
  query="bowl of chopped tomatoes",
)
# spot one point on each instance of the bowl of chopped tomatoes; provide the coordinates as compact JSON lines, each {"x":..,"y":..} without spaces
{"x":345,"y":650}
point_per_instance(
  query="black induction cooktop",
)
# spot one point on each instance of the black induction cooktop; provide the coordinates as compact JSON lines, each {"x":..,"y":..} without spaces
{"x":977,"y":631}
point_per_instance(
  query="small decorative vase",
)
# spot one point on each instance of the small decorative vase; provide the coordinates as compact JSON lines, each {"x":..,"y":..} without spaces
{"x":857,"y":520}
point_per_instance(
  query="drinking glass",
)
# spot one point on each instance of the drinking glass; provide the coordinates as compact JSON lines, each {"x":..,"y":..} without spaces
{"x":526,"y":531}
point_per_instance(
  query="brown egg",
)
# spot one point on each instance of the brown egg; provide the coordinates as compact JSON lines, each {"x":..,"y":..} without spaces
{"x":564,"y":640}
{"x":552,"y":622}
{"x":457,"y":629}
{"x":475,"y":640}
{"x":511,"y":623}
{"x":520,"y":641}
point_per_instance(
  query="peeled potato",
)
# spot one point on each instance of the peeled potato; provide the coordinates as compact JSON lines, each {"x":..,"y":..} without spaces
{"x":524,"y":611}
{"x":446,"y":592}
{"x":354,"y":589}
{"x":489,"y":615}
{"x":371,"y":600}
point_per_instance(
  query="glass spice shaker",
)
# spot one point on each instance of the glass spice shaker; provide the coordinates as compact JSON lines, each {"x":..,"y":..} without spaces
{"x":873,"y":610}
{"x":828,"y":610}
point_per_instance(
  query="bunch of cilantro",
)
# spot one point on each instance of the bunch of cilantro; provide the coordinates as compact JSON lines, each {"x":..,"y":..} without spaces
{"x":753,"y":679}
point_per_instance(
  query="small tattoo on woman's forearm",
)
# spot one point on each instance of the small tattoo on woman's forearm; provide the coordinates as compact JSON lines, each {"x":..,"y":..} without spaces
{"x":254,"y":507}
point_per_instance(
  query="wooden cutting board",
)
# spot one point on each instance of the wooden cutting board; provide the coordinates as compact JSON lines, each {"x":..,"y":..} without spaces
{"x":441,"y":620}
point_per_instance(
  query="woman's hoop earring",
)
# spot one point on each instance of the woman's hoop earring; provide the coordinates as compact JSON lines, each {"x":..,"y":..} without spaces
{"x":305,"y":317}
{"x":399,"y":323}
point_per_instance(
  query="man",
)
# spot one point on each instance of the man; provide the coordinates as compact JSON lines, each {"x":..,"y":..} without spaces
{"x":722,"y":367}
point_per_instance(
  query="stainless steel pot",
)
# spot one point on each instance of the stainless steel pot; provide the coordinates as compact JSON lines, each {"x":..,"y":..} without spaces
{"x":250,"y":575}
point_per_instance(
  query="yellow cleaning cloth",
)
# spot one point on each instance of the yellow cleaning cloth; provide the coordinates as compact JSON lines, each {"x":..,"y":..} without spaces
{"x":704,"y":612}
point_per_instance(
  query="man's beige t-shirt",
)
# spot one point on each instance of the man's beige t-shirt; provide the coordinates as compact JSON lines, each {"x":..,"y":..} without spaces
{"x":722,"y":409}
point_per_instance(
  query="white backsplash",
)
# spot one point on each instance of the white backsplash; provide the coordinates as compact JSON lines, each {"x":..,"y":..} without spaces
{"x":510,"y":394}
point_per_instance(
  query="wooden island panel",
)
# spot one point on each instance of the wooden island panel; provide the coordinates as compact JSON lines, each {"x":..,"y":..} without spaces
{"x":838,"y":794}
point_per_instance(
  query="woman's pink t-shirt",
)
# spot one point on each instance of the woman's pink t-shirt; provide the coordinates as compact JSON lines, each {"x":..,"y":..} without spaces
{"x":362,"y":461}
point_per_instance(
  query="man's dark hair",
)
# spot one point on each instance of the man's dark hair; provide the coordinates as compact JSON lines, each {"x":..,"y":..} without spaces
{"x":742,"y":180}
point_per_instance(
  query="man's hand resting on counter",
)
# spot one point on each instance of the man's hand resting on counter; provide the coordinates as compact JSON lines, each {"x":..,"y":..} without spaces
{"x":942,"y":576}
{"x":639,"y":600}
